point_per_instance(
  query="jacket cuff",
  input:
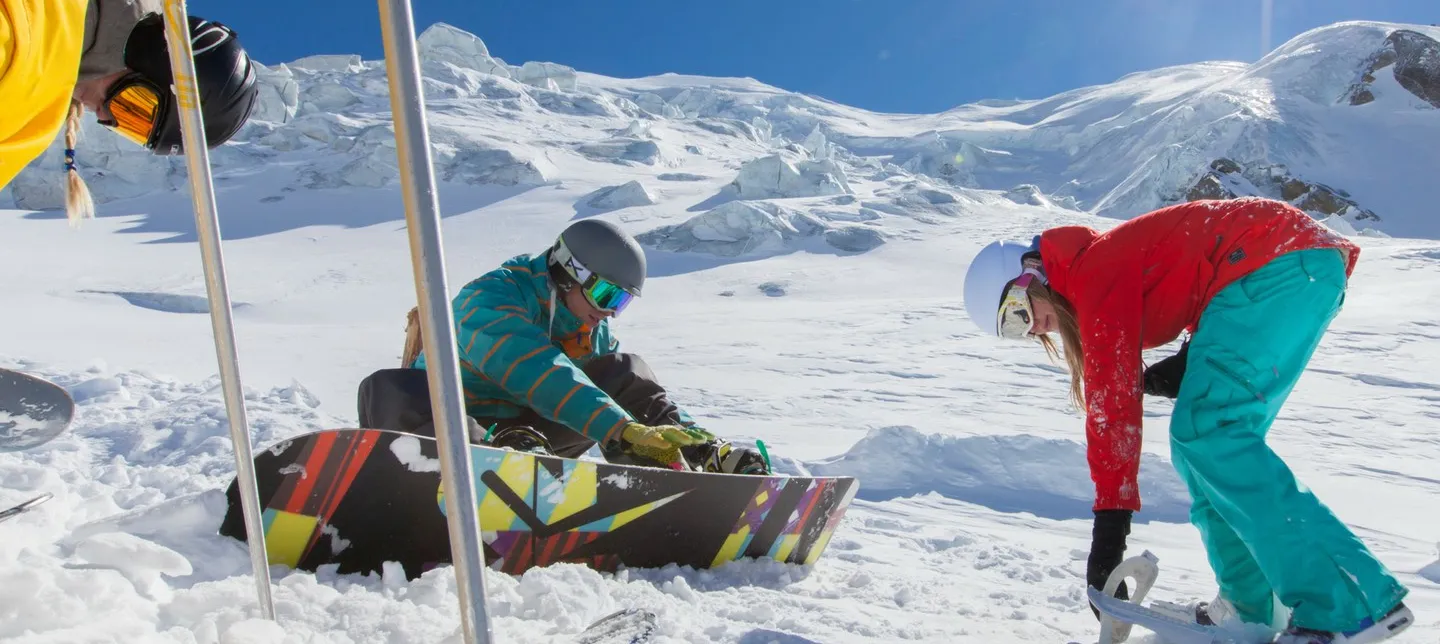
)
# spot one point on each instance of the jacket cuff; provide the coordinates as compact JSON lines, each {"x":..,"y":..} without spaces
{"x":1114,"y":500}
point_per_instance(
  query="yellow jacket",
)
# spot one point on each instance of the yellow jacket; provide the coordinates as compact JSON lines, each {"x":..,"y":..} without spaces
{"x":40,"y":42}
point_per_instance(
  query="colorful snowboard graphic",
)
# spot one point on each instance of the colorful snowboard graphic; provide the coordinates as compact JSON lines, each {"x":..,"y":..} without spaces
{"x":359,"y":497}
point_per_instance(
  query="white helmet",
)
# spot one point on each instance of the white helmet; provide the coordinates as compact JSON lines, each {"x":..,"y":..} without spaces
{"x":992,"y":268}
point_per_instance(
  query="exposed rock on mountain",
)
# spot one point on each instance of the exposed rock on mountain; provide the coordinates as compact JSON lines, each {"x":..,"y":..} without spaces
{"x":1226,"y":179}
{"x":1411,"y":58}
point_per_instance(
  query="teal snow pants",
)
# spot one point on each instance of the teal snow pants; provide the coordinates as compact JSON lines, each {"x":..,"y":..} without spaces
{"x":1264,"y":532}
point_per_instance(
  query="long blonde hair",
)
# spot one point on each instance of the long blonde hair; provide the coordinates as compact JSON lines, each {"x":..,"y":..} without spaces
{"x":1069,"y":335}
{"x":414,"y":342}
{"x":78,"y":202}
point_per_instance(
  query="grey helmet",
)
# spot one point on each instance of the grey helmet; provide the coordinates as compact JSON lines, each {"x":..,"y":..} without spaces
{"x":594,"y":246}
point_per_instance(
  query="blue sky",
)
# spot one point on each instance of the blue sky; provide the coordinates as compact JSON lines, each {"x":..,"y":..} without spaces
{"x":914,"y":56}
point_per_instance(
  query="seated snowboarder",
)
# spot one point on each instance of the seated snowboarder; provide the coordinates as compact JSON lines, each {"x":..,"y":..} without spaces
{"x":541,"y":370}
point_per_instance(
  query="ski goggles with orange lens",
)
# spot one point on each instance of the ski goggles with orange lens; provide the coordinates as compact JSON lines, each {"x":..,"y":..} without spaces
{"x":136,"y":108}
{"x":1017,"y":315}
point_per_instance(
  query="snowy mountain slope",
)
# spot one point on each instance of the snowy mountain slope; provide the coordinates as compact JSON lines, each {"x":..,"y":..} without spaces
{"x":1116,"y":150}
{"x":771,"y":312}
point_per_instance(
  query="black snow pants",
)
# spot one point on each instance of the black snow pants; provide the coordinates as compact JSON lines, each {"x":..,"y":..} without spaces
{"x":399,"y":400}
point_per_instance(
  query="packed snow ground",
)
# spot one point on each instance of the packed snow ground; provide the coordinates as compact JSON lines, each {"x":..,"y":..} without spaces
{"x":825,"y":319}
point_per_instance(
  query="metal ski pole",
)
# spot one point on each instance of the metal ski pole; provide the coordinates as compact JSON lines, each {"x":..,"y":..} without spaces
{"x":207,"y":225}
{"x":442,"y":363}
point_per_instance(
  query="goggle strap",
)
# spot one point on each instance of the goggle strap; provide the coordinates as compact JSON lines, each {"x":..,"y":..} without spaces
{"x":1035,"y":270}
{"x":566,"y":259}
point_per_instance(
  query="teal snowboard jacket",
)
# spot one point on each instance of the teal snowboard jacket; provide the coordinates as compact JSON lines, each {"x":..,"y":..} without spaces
{"x":517,"y":352}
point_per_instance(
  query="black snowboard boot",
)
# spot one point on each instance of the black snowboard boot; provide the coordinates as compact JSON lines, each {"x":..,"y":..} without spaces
{"x":721,"y":456}
{"x":520,"y":438}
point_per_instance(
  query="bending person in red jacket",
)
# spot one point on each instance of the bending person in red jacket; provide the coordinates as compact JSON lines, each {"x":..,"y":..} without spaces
{"x":1256,"y":282}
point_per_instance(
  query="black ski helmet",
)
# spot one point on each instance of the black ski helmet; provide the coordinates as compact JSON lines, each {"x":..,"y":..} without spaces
{"x":602,"y":248}
{"x":223,"y":73}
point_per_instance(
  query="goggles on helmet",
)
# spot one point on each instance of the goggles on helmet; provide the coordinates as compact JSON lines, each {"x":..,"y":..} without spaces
{"x":137,"y":107}
{"x":601,"y":293}
{"x":1016,"y":317}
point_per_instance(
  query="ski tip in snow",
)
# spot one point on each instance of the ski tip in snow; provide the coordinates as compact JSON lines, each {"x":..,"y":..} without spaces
{"x":23,"y":507}
{"x":627,"y":626}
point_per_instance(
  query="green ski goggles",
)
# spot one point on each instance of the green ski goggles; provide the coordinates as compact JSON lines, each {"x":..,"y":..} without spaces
{"x":601,"y":293}
{"x":605,"y":295}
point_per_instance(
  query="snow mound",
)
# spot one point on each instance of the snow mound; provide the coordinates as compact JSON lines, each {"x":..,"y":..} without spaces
{"x":1046,"y":477}
{"x":169,"y":302}
{"x":328,"y":63}
{"x":943,"y":158}
{"x":917,"y":200}
{"x":140,"y":561}
{"x":772,"y":177}
{"x":656,"y":105}
{"x":496,"y":166}
{"x":1028,"y":194}
{"x":1339,"y":225}
{"x":740,"y":228}
{"x":1432,"y":570}
{"x":625,"y":195}
{"x":551,"y":76}
{"x":853,"y":239}
{"x":442,"y":43}
{"x":681,"y":176}
{"x":279,"y":93}
{"x":624,"y":150}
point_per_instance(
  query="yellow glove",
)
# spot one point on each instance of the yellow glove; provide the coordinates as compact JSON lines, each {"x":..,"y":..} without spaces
{"x":662,"y":443}
{"x":664,"y":436}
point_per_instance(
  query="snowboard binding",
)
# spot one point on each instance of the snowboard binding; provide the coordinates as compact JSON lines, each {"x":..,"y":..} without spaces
{"x":722,"y":457}
{"x":520,"y":438}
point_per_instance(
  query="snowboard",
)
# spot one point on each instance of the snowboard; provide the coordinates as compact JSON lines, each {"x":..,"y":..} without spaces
{"x":32,"y":411}
{"x":1172,"y":628}
{"x":358,"y":498}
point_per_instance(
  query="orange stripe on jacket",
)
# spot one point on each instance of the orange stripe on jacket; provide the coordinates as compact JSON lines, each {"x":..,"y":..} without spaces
{"x":614,"y":429}
{"x":586,"y":429}
{"x":471,"y":297}
{"x":530,"y":395}
{"x":496,"y":320}
{"x":491,"y":352}
{"x":517,"y":361}
{"x":566,"y":399}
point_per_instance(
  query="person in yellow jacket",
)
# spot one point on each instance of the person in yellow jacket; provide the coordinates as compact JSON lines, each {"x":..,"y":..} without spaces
{"x":61,"y":57}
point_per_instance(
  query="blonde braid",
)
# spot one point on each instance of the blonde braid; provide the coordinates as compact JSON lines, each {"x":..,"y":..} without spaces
{"x":78,"y":202}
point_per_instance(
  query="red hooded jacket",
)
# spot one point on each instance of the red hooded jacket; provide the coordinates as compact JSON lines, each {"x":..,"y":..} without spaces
{"x":1138,"y":285}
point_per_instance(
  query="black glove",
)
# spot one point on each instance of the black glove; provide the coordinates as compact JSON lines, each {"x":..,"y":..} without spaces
{"x":1107,"y":550}
{"x":1163,"y":378}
